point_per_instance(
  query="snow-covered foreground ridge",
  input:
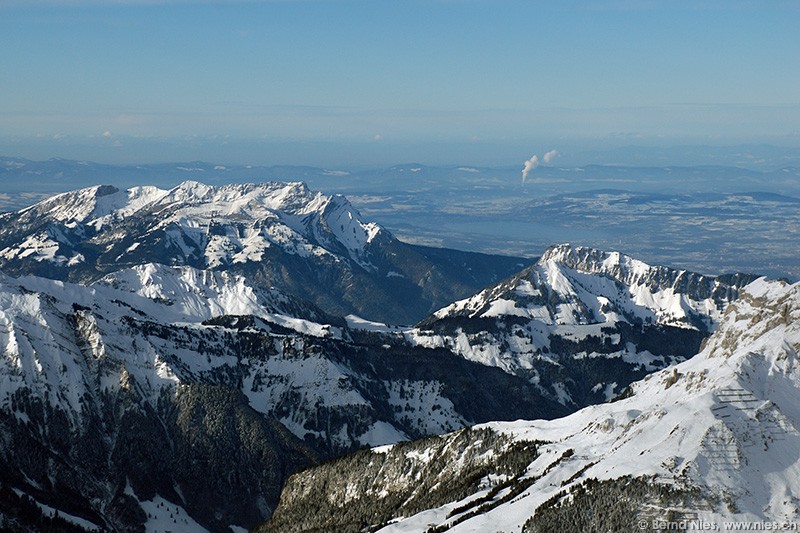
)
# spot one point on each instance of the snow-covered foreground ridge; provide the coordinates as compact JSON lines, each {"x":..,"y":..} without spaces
{"x":715,"y":438}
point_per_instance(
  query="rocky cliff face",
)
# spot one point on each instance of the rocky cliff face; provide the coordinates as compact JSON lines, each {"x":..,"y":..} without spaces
{"x":200,"y":449}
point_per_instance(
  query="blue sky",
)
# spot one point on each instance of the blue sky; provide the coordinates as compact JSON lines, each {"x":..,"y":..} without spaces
{"x":378,"y":81}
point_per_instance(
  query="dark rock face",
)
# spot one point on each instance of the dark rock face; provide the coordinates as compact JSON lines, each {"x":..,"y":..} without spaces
{"x":202,"y":448}
{"x":393,"y":385}
{"x":422,"y":279}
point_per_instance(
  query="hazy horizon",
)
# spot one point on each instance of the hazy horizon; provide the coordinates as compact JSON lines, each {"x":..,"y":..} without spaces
{"x":753,"y":156}
{"x":347,"y":82}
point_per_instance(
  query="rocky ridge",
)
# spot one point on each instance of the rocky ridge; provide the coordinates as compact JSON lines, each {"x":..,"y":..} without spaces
{"x":584,"y":323}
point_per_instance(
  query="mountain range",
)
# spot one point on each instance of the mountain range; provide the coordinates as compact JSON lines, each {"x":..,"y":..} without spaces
{"x":313,"y":246}
{"x":584,"y":323}
{"x":172,"y":356}
{"x":195,"y":387}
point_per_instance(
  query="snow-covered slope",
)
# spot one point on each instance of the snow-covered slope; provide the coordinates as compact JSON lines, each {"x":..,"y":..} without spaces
{"x":583,"y":322}
{"x":308,"y":244}
{"x":105,"y":411}
{"x":175,"y":294}
{"x":186,"y":384}
{"x":713,"y":439}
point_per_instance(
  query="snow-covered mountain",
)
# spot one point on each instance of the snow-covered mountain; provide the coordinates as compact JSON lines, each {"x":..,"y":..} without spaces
{"x":313,"y":246}
{"x":584,"y":323}
{"x":170,"y":357}
{"x":161,"y":391}
{"x":296,"y":218}
{"x":576,"y":285}
{"x":712,"y":440}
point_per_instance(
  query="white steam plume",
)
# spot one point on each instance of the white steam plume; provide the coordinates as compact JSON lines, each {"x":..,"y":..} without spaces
{"x":534,"y":161}
{"x":530,"y":164}
{"x":549,"y":156}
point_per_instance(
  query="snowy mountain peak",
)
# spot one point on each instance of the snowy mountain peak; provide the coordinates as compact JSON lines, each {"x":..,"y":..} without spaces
{"x":191,"y":295}
{"x":579,"y":285}
{"x":189,"y":191}
{"x":588,"y":259}
{"x":584,"y":323}
{"x":192,"y":223}
{"x":290,"y":197}
{"x":766,"y":319}
{"x":314,"y":246}
{"x":73,"y":206}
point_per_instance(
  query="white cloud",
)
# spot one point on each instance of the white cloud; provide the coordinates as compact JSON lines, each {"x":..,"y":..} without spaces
{"x":549,"y":156}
